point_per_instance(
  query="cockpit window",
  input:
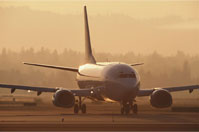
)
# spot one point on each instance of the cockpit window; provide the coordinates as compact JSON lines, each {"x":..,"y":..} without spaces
{"x":123,"y":75}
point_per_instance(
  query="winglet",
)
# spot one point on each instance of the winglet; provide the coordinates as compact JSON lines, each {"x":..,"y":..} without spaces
{"x":89,"y":58}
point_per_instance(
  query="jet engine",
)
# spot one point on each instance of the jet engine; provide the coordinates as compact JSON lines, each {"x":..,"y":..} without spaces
{"x":63,"y":98}
{"x":161,"y":98}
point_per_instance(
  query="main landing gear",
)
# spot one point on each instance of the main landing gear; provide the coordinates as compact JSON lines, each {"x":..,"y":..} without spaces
{"x":79,"y":106}
{"x":128,"y":106}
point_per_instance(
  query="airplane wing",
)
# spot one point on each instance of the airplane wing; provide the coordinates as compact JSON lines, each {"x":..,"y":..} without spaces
{"x":55,"y":67}
{"x":147,"y":92}
{"x":39,"y":90}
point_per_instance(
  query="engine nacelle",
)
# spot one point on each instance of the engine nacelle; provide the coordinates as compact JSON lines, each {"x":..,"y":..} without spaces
{"x":161,"y":98}
{"x":63,"y":98}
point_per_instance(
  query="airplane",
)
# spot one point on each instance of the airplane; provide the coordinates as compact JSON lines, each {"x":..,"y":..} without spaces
{"x":111,"y":82}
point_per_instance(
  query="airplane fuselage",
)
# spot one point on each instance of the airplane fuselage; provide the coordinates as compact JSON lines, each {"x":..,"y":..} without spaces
{"x":116,"y":82}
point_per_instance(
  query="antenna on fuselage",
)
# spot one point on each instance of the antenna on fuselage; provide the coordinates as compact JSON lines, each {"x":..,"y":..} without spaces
{"x":89,"y":58}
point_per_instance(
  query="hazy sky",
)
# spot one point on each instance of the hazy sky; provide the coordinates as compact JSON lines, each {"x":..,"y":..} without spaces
{"x":134,"y":8}
{"x":143,"y":25}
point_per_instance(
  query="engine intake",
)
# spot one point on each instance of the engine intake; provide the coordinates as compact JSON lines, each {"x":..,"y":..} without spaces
{"x":161,"y":98}
{"x":64,"y":98}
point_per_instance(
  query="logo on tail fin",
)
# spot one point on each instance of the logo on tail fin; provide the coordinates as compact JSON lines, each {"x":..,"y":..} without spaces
{"x":89,"y":58}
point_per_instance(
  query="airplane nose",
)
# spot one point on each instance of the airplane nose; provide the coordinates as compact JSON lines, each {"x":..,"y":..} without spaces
{"x":129,"y":89}
{"x":123,"y":90}
{"x":128,"y":84}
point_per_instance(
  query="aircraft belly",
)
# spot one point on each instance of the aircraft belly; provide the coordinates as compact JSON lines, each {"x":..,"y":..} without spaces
{"x":92,"y":84}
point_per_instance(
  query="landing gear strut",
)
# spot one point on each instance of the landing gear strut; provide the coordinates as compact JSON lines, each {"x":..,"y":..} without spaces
{"x":79,"y":106}
{"x":127,"y":106}
{"x":135,"y":108}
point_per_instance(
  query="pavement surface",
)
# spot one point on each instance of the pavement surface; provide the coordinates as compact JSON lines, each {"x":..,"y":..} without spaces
{"x":99,"y":117}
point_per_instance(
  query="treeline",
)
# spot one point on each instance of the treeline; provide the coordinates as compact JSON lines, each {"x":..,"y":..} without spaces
{"x":157,"y":71}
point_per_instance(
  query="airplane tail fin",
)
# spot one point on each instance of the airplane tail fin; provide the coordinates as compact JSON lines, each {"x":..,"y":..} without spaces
{"x":89,"y":58}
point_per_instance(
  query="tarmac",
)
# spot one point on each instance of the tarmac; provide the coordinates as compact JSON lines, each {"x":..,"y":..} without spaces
{"x":99,"y":117}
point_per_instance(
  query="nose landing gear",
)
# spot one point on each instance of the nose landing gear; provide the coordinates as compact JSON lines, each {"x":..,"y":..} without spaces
{"x":128,"y":106}
{"x":79,"y":106}
{"x":125,"y":109}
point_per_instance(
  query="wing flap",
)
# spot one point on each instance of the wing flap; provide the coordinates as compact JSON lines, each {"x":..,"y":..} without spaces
{"x":39,"y":90}
{"x":182,"y":88}
{"x":21,"y":87}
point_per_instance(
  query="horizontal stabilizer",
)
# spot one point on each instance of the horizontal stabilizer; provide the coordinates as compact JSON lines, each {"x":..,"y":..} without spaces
{"x":136,"y":64}
{"x":55,"y":67}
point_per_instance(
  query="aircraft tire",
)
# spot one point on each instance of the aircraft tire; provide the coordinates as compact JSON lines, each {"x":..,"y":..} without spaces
{"x":122,"y":110}
{"x":127,"y":109}
{"x":83,"y":108}
{"x":135,"y":109}
{"x":76,"y":109}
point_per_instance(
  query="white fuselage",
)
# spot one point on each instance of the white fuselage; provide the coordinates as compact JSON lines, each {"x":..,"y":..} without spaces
{"x":117,"y":82}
